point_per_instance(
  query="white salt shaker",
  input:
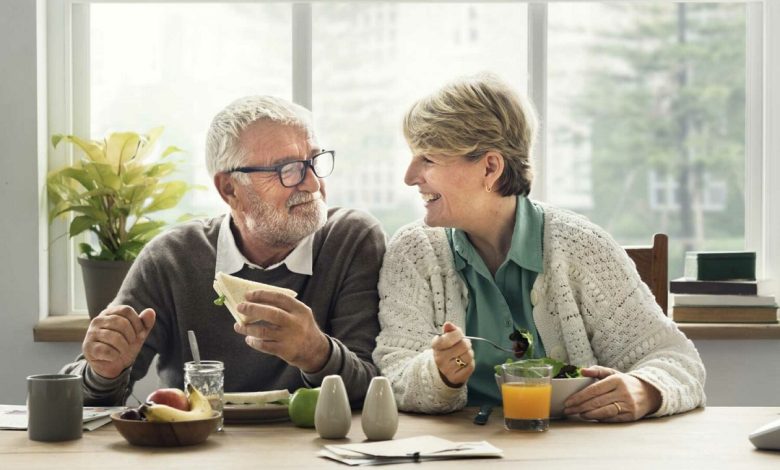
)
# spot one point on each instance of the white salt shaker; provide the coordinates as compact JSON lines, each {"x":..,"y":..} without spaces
{"x":380,"y":413}
{"x":332,"y":416}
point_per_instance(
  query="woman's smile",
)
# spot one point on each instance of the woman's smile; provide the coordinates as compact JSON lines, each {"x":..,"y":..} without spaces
{"x":429,"y":198}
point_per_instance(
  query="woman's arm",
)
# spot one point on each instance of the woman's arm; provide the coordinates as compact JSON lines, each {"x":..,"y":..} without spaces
{"x":416,"y":295}
{"x":631,"y":334}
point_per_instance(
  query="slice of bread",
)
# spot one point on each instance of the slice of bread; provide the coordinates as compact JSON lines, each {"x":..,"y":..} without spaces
{"x":235,"y":289}
{"x":256,"y":398}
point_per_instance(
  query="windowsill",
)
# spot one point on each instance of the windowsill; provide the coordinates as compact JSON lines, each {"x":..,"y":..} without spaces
{"x":696,"y":331}
{"x":71,"y":328}
{"x":61,"y":328}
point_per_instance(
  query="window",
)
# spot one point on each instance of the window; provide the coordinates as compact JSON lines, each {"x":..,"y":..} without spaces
{"x":177,"y":75}
{"x":647,"y":105}
{"x":180,"y":75}
{"x":621,"y":78}
{"x":664,"y":193}
{"x":360,"y":92}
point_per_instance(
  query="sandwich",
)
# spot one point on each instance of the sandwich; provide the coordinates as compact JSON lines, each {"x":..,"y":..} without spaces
{"x":271,"y":397}
{"x":232,"y":291}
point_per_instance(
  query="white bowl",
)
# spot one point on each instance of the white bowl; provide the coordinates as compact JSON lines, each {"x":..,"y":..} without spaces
{"x":561,"y":390}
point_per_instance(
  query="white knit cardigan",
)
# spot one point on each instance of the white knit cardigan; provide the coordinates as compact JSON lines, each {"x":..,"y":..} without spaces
{"x":590,"y":307}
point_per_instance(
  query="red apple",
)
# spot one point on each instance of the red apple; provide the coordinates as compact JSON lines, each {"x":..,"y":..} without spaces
{"x":172,"y":397}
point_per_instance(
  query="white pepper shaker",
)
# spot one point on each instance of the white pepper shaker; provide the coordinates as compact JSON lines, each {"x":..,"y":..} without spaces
{"x":332,"y":416}
{"x":380,"y":412}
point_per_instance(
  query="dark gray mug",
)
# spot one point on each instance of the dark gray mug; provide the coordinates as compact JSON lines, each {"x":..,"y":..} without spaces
{"x":55,"y":407}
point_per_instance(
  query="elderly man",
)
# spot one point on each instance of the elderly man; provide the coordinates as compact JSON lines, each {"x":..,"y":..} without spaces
{"x":268,"y":167}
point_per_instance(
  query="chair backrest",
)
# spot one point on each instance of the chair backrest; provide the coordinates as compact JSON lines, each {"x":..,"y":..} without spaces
{"x":652,"y":263}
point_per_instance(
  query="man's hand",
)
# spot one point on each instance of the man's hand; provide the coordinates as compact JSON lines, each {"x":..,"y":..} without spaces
{"x":616,"y":397}
{"x":114,"y":339}
{"x":284,"y":326}
{"x":453,"y":355}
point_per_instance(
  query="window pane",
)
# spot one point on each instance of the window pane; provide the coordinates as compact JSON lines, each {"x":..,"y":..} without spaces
{"x":647,"y":119}
{"x":177,"y":65}
{"x":190,"y":61}
{"x":372,"y":60}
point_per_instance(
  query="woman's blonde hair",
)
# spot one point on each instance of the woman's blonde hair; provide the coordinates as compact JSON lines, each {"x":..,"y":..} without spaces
{"x":471,"y":116}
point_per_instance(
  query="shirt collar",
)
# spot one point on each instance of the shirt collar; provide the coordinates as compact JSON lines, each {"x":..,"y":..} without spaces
{"x":526,"y":248}
{"x":230,"y":260}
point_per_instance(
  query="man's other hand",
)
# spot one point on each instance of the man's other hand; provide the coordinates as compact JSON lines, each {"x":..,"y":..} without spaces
{"x":114,"y":339}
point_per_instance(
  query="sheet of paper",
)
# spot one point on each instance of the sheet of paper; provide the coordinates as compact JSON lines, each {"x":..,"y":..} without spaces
{"x":15,"y":416}
{"x":95,"y":423}
{"x":362,"y":460}
{"x":422,"y":445}
{"x":407,"y":450}
{"x":98,"y":412}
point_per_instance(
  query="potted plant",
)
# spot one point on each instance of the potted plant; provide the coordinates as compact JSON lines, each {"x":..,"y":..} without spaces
{"x":111,"y":191}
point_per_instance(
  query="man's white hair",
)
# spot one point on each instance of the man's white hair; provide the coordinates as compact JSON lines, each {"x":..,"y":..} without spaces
{"x":223,"y":151}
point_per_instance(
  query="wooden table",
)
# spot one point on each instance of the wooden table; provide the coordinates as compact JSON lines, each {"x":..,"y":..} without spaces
{"x":713,"y":438}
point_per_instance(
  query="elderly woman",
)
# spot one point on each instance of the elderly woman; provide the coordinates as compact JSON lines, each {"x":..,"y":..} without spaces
{"x":489,"y":260}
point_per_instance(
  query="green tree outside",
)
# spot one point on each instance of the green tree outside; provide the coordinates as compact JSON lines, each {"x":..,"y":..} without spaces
{"x":666,"y":95}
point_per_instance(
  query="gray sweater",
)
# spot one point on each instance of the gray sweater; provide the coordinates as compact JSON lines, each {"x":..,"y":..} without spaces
{"x":174,"y":275}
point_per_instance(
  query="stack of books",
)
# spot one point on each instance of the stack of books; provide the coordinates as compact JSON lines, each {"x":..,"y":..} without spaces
{"x":722,"y":301}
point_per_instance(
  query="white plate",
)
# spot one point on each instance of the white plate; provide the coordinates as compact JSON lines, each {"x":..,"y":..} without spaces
{"x":240,"y":414}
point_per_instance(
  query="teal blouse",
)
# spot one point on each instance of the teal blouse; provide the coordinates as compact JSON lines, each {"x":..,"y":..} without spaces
{"x":497,"y":305}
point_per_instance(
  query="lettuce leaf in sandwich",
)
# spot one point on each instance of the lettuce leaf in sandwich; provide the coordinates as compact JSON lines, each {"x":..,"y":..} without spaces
{"x":232,"y":291}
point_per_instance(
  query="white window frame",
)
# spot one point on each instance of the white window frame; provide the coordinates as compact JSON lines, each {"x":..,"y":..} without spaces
{"x":67,"y":91}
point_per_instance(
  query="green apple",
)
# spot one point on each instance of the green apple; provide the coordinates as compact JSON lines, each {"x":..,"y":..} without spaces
{"x":302,"y":405}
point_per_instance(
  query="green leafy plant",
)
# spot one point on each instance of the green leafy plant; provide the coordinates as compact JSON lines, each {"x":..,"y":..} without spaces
{"x":112,"y":189}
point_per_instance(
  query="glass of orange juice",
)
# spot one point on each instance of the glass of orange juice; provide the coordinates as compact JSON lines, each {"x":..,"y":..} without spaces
{"x":526,"y":392}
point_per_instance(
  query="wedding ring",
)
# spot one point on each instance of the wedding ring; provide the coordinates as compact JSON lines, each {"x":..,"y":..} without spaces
{"x":619,"y":409}
{"x":460,"y":362}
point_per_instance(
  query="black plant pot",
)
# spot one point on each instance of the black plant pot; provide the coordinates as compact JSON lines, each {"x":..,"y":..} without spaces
{"x":102,"y":280}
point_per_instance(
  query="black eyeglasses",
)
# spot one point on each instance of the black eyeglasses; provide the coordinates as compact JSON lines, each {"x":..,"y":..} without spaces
{"x":292,"y":173}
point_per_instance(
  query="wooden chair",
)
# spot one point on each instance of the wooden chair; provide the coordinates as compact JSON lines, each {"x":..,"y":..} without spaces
{"x":652,"y":263}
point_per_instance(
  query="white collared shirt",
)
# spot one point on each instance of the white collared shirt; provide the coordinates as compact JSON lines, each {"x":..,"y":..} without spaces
{"x":230,"y":260}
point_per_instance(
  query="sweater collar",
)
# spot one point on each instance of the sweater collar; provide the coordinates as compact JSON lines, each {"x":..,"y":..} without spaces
{"x":230,"y":260}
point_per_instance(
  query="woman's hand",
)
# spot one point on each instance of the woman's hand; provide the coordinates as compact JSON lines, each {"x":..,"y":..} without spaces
{"x":453,"y":355}
{"x":616,"y":397}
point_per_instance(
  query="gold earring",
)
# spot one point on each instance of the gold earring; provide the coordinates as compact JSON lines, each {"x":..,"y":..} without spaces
{"x":488,"y":188}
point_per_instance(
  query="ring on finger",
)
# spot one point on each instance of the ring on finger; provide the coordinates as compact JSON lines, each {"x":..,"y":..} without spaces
{"x":460,"y":362}
{"x":617,"y":405}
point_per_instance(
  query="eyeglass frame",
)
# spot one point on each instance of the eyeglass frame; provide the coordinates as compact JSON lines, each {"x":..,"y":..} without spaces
{"x":278,"y":168}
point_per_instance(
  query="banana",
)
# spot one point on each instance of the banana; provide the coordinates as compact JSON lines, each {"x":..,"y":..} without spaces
{"x":199,"y":409}
{"x":197,"y":401}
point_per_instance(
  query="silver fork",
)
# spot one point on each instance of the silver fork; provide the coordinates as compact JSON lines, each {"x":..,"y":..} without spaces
{"x":477,"y":338}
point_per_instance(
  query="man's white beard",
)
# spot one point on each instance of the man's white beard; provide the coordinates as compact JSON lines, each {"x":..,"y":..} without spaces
{"x":266,"y":223}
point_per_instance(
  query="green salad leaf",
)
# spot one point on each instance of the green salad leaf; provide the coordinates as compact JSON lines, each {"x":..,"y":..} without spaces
{"x":524,"y":347}
{"x":220,"y":300}
{"x":560,"y":370}
{"x":522,"y":342}
{"x":281,"y":401}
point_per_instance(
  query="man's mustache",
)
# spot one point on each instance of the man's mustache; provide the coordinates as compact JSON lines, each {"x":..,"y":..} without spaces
{"x":303,"y":197}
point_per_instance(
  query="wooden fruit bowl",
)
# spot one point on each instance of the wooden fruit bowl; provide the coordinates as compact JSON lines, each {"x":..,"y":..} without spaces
{"x":185,"y":433}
